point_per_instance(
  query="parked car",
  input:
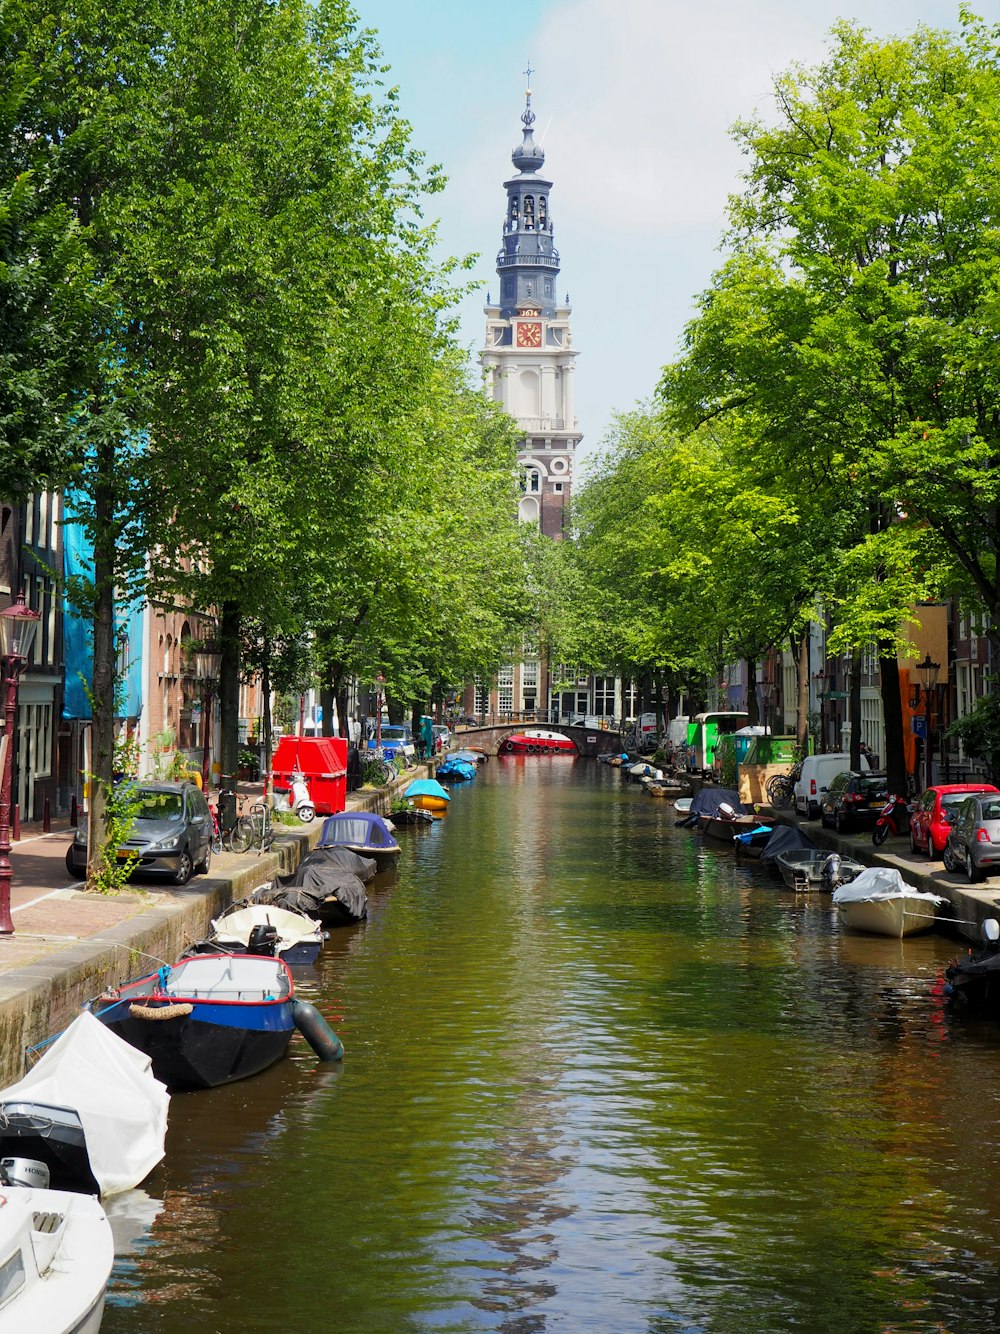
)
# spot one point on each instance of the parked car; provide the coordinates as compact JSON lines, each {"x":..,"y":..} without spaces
{"x":172,"y":833}
{"x":814,"y":778}
{"x":853,"y":800}
{"x":395,"y":737}
{"x":442,"y":737}
{"x":936,"y":812}
{"x":974,"y":838}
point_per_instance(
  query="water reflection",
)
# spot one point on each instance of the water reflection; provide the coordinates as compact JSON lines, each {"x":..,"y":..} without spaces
{"x":601,"y":1075}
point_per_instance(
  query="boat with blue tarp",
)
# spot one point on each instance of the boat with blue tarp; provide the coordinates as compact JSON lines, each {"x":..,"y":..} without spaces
{"x":363,"y":832}
{"x":456,"y":771}
{"x":427,"y":794}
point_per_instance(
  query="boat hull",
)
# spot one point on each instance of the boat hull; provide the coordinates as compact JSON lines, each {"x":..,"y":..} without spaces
{"x":724,"y":830}
{"x":428,"y":803}
{"x":887,"y":917}
{"x":523,"y":743}
{"x":206,"y":1048}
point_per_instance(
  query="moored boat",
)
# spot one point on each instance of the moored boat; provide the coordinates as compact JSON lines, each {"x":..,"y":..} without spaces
{"x":809,"y":870}
{"x":454,"y":770}
{"x":361,"y":832}
{"x":878,"y":900}
{"x":751,"y":842}
{"x":58,"y":1249}
{"x":974,"y":979}
{"x":537,"y":741}
{"x":262,"y":928}
{"x":427,"y":794}
{"x":208,"y":1020}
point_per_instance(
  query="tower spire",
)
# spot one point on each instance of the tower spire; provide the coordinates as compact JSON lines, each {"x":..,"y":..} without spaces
{"x":528,"y":262}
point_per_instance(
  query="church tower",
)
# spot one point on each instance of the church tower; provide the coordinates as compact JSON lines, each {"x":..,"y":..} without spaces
{"x":528,"y":357}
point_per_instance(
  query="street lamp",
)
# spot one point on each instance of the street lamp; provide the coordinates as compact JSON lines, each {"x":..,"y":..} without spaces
{"x":380,"y":680}
{"x":928,"y":670}
{"x":208,"y":664}
{"x":18,"y":624}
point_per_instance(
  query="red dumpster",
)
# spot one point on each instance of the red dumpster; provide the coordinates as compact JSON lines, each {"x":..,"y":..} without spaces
{"x":323,"y":761}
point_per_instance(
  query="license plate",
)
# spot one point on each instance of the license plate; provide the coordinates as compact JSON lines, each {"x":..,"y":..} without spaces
{"x":876,"y":805}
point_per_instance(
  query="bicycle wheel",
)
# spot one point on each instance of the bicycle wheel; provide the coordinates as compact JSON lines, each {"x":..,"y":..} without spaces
{"x":241,"y":836}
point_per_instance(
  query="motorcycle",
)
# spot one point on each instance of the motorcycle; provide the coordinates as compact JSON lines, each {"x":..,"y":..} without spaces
{"x":894,"y":818}
{"x":299,"y":799}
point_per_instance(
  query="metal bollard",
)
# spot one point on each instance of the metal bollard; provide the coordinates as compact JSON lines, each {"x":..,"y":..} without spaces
{"x":47,"y":816}
{"x":15,"y":824}
{"x":73,"y":815}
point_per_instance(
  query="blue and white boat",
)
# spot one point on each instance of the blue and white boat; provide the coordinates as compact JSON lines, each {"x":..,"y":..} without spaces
{"x":362,"y":832}
{"x":208,"y":1020}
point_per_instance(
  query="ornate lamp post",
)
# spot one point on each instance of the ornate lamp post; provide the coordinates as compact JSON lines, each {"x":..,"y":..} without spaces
{"x":928,"y":676}
{"x":208,"y":662}
{"x":18,"y":624}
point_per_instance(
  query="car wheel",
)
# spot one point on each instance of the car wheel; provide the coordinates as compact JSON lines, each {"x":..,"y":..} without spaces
{"x":71,"y":864}
{"x":184,"y":869}
{"x":203,"y":866}
{"x":947,"y":859}
{"x":970,"y":869}
{"x":841,"y":823}
{"x":914,"y":845}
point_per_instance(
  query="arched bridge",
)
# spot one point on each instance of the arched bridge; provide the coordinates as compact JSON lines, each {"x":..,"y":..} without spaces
{"x":589,"y":741}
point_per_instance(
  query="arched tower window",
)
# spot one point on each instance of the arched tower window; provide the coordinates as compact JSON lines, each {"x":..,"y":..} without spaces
{"x":542,"y":213}
{"x":528,"y":510}
{"x":529,"y":212}
{"x":514,"y":215}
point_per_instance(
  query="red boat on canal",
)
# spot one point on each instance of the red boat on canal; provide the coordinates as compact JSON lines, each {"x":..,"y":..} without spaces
{"x":537,"y":741}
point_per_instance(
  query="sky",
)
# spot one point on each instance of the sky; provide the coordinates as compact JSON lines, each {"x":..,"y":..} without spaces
{"x":634,"y":102}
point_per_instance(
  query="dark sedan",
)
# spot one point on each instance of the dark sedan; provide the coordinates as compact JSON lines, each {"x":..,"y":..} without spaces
{"x":853,"y":800}
{"x":172,"y":833}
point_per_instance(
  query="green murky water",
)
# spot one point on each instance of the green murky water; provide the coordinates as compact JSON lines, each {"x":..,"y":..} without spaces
{"x":599,"y":1076}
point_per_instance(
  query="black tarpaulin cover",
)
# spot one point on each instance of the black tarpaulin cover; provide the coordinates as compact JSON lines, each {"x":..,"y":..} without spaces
{"x":317,"y":887}
{"x":709,"y":799}
{"x":783,"y":839}
{"x":335,"y":859}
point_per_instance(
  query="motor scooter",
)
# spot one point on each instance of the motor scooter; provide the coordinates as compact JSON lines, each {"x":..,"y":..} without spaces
{"x":894,"y":818}
{"x":299,"y":799}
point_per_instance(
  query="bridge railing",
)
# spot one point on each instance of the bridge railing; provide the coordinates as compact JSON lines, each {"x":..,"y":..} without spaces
{"x":537,"y":717}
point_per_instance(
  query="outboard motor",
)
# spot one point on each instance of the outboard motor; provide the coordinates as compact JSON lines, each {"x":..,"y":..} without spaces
{"x":991,"y":935}
{"x":830,"y":875}
{"x":263,"y":940}
{"x":24,"y":1172}
{"x":726,"y":811}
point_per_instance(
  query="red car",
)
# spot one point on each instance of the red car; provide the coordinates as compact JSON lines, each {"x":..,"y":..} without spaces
{"x":929,"y":823}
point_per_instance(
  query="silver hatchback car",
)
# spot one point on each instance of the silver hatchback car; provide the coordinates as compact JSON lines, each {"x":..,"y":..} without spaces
{"x":172,"y":833}
{"x":974,"y":839}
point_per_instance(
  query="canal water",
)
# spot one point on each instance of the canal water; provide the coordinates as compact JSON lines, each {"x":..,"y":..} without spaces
{"x":599,"y":1075}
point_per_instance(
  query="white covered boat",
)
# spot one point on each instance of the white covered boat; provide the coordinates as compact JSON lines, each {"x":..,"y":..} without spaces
{"x":879,"y":901}
{"x":56,"y":1253}
{"x":266,"y":929}
{"x":91,"y":1110}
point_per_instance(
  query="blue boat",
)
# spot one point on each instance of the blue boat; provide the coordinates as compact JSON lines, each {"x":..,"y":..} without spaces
{"x":470,"y":756}
{"x":456,"y":771}
{"x":208,"y":1020}
{"x":363,"y":832}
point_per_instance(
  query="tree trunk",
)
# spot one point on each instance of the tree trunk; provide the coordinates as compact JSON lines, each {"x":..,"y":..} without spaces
{"x":265,"y":685}
{"x":892,"y":711}
{"x":752,"y":703}
{"x":801,"y":653}
{"x":327,"y":700}
{"x":103,"y":682}
{"x":229,"y":692}
{"x":854,"y":708}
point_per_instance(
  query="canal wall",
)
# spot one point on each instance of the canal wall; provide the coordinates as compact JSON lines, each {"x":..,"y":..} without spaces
{"x":41,"y":998}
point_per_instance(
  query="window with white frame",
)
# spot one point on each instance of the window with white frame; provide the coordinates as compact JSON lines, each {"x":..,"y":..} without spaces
{"x":482,"y":696}
{"x":604,"y":696}
{"x":505,"y":689}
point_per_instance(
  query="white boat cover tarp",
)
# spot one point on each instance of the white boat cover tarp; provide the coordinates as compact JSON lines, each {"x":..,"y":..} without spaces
{"x":110,"y":1085}
{"x":881,"y":882}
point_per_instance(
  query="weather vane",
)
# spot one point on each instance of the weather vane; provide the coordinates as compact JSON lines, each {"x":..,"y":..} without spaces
{"x":529,"y":116}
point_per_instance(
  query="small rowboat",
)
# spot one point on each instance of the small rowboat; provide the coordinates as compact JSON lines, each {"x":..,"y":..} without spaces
{"x":211,"y":1019}
{"x":427,"y":794}
{"x":362,"y":832}
{"x":879,"y":901}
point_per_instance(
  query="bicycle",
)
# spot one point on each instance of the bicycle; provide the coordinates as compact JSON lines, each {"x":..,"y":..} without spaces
{"x":253,"y":829}
{"x":780,"y":789}
{"x":379,"y":768}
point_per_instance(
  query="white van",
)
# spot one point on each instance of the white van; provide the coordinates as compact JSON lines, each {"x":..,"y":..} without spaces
{"x":817,"y":773}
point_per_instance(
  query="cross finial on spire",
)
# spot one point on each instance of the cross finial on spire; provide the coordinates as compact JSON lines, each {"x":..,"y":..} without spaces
{"x":529,"y":116}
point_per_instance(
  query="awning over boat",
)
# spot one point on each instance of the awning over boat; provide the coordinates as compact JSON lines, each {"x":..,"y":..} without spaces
{"x":110,"y":1085}
{"x":877,"y":883}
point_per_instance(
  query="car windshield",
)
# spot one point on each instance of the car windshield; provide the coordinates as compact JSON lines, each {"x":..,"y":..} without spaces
{"x":991,"y":810}
{"x":395,"y":734}
{"x":873,"y":787}
{"x":160,"y":806}
{"x":950,"y":801}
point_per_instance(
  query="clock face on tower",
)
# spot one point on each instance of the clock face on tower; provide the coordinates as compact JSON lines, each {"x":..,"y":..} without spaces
{"x":529,"y":333}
